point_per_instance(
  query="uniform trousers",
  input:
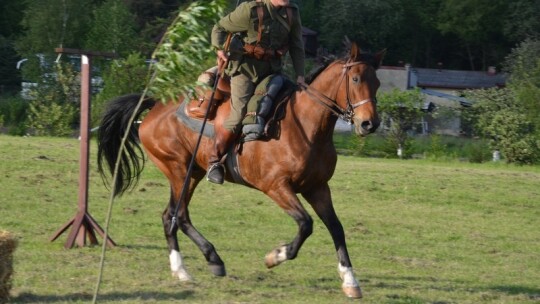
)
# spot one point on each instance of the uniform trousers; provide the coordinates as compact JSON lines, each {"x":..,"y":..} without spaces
{"x":242,"y":88}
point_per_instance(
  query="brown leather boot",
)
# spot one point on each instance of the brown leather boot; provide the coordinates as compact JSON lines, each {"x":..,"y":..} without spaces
{"x":223,"y":139}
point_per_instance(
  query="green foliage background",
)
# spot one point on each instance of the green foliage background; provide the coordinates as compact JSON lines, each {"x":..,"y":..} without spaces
{"x":184,"y":50}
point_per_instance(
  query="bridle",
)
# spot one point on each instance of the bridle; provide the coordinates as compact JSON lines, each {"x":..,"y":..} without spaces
{"x":346,"y":114}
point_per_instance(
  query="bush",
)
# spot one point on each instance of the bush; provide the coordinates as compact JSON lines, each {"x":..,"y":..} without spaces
{"x":122,"y":77}
{"x":13,"y":113}
{"x":399,"y":110}
{"x":499,"y":115}
{"x":435,"y":147}
{"x":54,"y":108}
{"x":50,"y":118}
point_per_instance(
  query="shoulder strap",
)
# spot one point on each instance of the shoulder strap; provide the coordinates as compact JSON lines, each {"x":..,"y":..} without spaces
{"x":260,"y":15}
{"x":290,"y":15}
{"x":286,"y":23}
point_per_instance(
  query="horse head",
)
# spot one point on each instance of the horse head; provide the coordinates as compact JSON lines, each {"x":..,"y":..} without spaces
{"x":360,"y":89}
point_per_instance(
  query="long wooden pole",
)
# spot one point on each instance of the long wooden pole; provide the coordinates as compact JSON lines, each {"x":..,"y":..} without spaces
{"x":83,"y":224}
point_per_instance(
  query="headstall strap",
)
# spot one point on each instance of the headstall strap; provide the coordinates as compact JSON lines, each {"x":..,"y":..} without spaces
{"x":345,"y":114}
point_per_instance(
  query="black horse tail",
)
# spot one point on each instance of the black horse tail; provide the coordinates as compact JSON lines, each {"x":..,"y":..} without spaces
{"x":114,"y":124}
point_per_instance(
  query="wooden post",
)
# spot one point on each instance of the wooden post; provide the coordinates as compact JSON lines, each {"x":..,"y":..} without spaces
{"x":83,"y":225}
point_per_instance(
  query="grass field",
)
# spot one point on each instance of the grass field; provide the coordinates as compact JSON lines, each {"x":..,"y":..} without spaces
{"x":418,"y":232}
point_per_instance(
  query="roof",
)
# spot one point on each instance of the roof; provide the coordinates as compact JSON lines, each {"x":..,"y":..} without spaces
{"x":462,"y":101}
{"x":456,"y":79}
{"x":308,"y":32}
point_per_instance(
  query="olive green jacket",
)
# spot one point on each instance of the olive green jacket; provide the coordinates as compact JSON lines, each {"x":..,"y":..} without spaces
{"x":275,"y":34}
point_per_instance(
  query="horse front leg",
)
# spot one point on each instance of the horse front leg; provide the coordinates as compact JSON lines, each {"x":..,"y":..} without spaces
{"x":175,"y":257}
{"x":321,"y":201}
{"x":216,"y":265}
{"x":289,"y":202}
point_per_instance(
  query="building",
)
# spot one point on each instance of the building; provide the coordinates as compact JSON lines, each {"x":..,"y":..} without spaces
{"x":442,"y":88}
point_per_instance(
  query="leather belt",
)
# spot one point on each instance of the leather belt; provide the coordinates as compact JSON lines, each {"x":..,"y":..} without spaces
{"x":260,"y":53}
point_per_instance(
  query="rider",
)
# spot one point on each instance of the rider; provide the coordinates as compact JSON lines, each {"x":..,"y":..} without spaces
{"x":269,"y":29}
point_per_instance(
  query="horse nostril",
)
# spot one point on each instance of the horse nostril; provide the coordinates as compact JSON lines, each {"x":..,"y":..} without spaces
{"x":367,"y":125}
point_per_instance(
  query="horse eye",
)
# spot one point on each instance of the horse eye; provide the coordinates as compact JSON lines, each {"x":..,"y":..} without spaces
{"x":356,"y":79}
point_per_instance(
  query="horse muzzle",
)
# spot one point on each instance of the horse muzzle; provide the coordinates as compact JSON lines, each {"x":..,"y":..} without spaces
{"x":365,"y":127}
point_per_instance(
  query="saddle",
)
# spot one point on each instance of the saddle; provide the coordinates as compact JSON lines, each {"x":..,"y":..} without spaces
{"x":262,"y":121}
{"x":197,"y":108}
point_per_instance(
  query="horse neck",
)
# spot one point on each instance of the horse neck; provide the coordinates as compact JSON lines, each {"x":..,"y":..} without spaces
{"x":316,"y":119}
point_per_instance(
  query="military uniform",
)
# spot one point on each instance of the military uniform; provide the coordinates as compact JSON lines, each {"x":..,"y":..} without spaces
{"x":278,"y":34}
{"x":264,"y":29}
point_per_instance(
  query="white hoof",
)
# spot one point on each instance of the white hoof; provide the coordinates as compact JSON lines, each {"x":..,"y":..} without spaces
{"x":182,"y":275}
{"x":350,"y":285}
{"x":353,"y":292}
{"x":276,"y":257}
{"x":177,"y":267}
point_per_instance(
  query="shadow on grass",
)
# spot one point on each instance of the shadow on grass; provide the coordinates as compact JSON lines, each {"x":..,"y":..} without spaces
{"x":115,"y":296}
{"x":146,"y":247}
{"x":405,"y":282}
{"x":532,"y":293}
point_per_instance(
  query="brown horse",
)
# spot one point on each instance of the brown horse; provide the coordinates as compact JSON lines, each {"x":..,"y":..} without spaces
{"x":301,"y":160}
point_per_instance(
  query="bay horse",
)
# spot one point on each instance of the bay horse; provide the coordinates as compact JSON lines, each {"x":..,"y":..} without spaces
{"x":301,"y":160}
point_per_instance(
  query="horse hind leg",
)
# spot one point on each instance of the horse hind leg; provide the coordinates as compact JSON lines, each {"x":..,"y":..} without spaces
{"x":289,"y":202}
{"x":321,"y":201}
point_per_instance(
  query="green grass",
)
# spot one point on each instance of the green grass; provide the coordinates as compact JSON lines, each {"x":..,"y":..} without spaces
{"x":418,"y":232}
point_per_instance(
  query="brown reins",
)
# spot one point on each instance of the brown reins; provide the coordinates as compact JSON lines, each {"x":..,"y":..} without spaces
{"x":345,"y":114}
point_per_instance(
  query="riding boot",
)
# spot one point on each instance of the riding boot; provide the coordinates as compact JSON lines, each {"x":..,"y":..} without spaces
{"x":222,"y":141}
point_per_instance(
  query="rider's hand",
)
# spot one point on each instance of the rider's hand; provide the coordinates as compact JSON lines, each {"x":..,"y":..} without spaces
{"x":221,"y":58}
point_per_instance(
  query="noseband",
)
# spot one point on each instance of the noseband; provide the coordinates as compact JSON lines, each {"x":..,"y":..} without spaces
{"x":345,"y":114}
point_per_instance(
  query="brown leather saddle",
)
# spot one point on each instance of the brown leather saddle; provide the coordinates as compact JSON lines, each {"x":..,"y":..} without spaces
{"x":192,"y":112}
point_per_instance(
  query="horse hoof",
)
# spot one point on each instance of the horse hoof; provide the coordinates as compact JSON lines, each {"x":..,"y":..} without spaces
{"x":276,"y":257}
{"x":182,"y":275}
{"x":270,"y":261}
{"x":218,"y":270}
{"x":353,"y":292}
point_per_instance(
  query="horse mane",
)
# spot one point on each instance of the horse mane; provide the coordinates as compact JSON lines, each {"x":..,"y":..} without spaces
{"x":368,"y":58}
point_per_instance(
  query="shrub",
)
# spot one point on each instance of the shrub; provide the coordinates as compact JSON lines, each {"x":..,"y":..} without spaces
{"x":500,"y":117}
{"x":13,"y":110}
{"x":48,"y":118}
{"x":122,"y":77}
{"x":400,"y":110}
{"x":54,"y":108}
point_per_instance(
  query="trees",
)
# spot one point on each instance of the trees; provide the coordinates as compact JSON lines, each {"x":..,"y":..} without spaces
{"x":523,"y":64}
{"x":123,"y":76}
{"x":10,"y":15}
{"x":48,"y":25}
{"x":477,"y":24}
{"x":113,"y":29}
{"x":498,"y":116}
{"x":522,"y":20}
{"x":400,"y":111}
{"x":370,"y":23}
{"x":418,"y":28}
{"x":54,"y":23}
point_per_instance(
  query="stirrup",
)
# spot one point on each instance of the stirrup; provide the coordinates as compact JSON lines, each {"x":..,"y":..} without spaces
{"x":216,"y":173}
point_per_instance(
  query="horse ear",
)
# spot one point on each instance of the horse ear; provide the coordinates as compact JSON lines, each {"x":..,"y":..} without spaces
{"x":355,"y":52}
{"x":379,"y":57}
